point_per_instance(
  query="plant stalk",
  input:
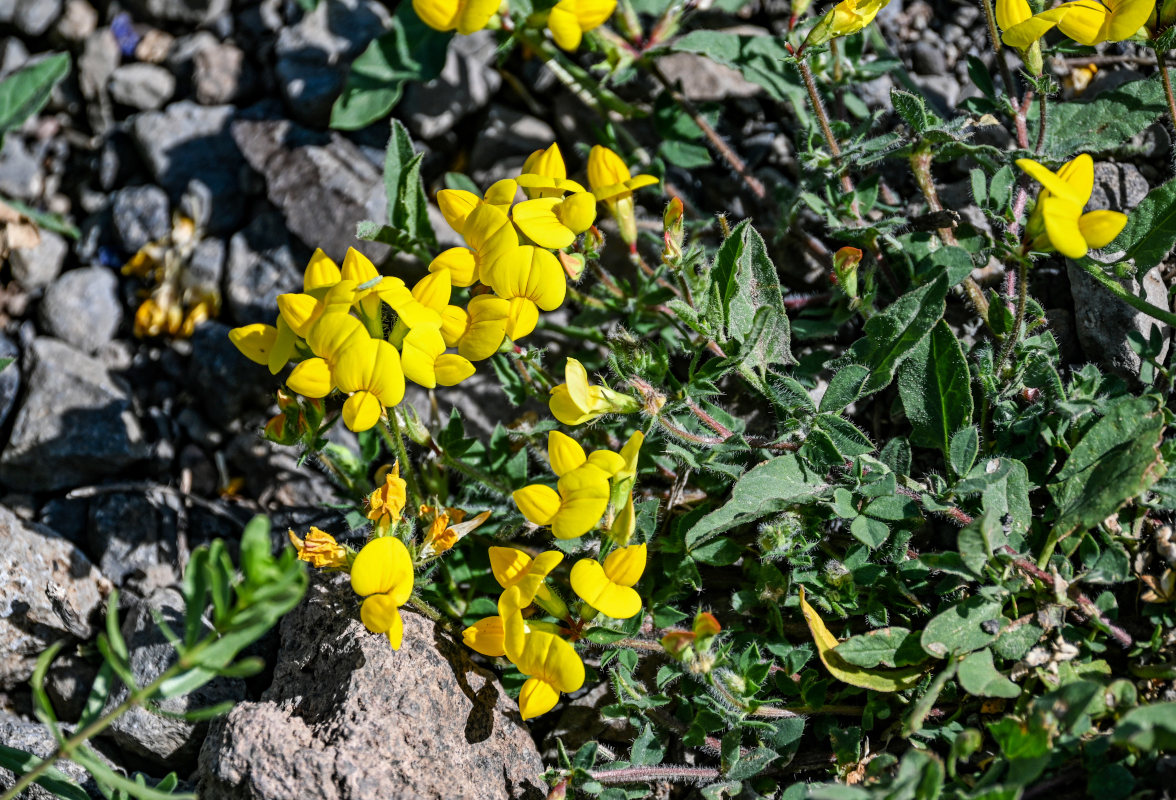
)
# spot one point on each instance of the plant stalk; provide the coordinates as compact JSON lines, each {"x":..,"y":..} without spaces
{"x":823,"y":119}
{"x":1167,"y":79}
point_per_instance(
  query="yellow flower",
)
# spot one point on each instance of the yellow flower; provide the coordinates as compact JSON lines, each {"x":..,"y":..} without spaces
{"x":555,"y":222}
{"x":613,"y":184}
{"x":370,"y":371}
{"x":576,"y":401}
{"x":321,"y":273}
{"x":1087,"y":22}
{"x":483,"y":328}
{"x":427,"y":364}
{"x":532,"y":279}
{"x":461,"y":264}
{"x":513,"y":568}
{"x":329,"y":336}
{"x":457,"y":204}
{"x":545,"y":175}
{"x":608,"y":587}
{"x":581,"y":495}
{"x":320,"y":549}
{"x":255,"y":341}
{"x":565,"y":455}
{"x":464,"y":16}
{"x":1057,"y":222}
{"x":386,"y":503}
{"x":442,"y":535}
{"x":551,"y":664}
{"x":382,"y":574}
{"x":569,"y":20}
{"x":848,"y":16}
{"x":486,"y":636}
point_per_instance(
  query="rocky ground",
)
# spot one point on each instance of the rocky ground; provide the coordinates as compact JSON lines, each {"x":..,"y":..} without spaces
{"x":121,"y":454}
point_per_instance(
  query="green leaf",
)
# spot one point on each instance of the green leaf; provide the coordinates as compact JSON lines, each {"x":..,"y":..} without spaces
{"x":844,"y":387}
{"x":887,"y":647}
{"x":26,"y":91}
{"x":18,"y":762}
{"x":979,"y":677}
{"x":891,"y":336}
{"x":963,"y":449}
{"x":1116,"y":460}
{"x":1148,"y":728}
{"x":913,"y":110}
{"x":935,"y":386}
{"x":870,"y":532}
{"x":1151,"y":229}
{"x":717,"y":552}
{"x":1106,"y":122}
{"x":409,"y":51}
{"x":647,"y":748}
{"x":1003,"y":485}
{"x":746,"y":280}
{"x":407,"y":205}
{"x":880,"y":680}
{"x":766,"y":489}
{"x":963,"y":627}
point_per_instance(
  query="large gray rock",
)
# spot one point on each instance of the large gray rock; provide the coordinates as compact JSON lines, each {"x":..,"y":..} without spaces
{"x":347,"y":718}
{"x":314,"y":55}
{"x":37,"y":267}
{"x":187,"y":142}
{"x":1103,"y":321}
{"x":264,"y":261}
{"x":9,"y":377}
{"x":704,"y":80}
{"x":35,"y":738}
{"x":37,"y":564}
{"x":321,"y":182}
{"x":82,"y":309}
{"x":141,"y":214}
{"x":20,"y":171}
{"x":465,"y":85}
{"x":75,"y":426}
{"x":128,"y":534}
{"x":1119,"y":187}
{"x":34,"y":17}
{"x":145,"y":87}
{"x":170,"y":743}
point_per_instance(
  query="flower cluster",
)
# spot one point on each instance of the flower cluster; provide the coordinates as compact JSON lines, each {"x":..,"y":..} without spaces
{"x":178,"y":299}
{"x":567,"y":20}
{"x":589,"y":485}
{"x":1088,"y":22}
{"x":514,"y":265}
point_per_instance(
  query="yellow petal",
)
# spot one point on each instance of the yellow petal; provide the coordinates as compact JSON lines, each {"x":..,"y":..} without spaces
{"x":463,"y":268}
{"x":486,"y":636}
{"x":549,"y":163}
{"x":488,"y":320}
{"x":564,"y":27}
{"x":321,"y":273}
{"x":474,"y":15}
{"x":576,"y":378}
{"x":538,"y":503}
{"x":456,"y":204}
{"x":531,"y":580}
{"x":454,"y":321}
{"x":1083,"y":21}
{"x":577,"y":212}
{"x":452,"y":369}
{"x":255,"y":342}
{"x":522,"y":317}
{"x":419,"y":353}
{"x":640,"y":182}
{"x":546,"y":284}
{"x":501,"y":194}
{"x":592,"y":584}
{"x":625,"y":565}
{"x":1011,"y":12}
{"x":592,"y":13}
{"x":607,"y":461}
{"x":564,"y":453}
{"x":539,"y":222}
{"x":333,"y":333}
{"x":1025,"y":33}
{"x":1078,"y":173}
{"x":1127,"y":17}
{"x":352,"y":367}
{"x":1052,"y":182}
{"x":299,"y":311}
{"x":585,"y":493}
{"x":383,"y":567}
{"x":311,"y":378}
{"x":1061,"y":226}
{"x":565,"y":409}
{"x":514,"y":630}
{"x":285,"y":345}
{"x":605,"y":168}
{"x":362,"y":411}
{"x":537,"y":697}
{"x":381,"y":615}
{"x":358,"y":267}
{"x":552,"y":659}
{"x":630,"y":453}
{"x":1099,"y":228}
{"x":434,"y":290}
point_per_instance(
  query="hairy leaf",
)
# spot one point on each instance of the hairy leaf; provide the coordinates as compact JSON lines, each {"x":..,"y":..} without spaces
{"x":935,"y":386}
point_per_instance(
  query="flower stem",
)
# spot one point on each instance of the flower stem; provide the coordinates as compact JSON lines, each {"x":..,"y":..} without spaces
{"x":810,"y":86}
{"x":1012,"y":336}
{"x":1043,"y":109}
{"x":1115,"y":288}
{"x":395,"y":439}
{"x":1167,"y":79}
{"x":994,"y":34}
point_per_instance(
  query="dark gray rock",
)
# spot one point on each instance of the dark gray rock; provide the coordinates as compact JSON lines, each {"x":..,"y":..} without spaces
{"x":141,"y":214}
{"x":264,"y":261}
{"x":506,"y":134}
{"x":68,"y":517}
{"x":20,"y":172}
{"x":186,"y":143}
{"x":348,"y":717}
{"x":68,"y":684}
{"x":1119,"y":187}
{"x":75,"y":426}
{"x":876,"y":93}
{"x":38,"y":562}
{"x":314,"y":55}
{"x":35,"y":738}
{"x":82,"y":309}
{"x":465,"y":85}
{"x":9,"y":377}
{"x":192,"y":12}
{"x":704,"y":80}
{"x":128,"y":534}
{"x":942,"y":90}
{"x":321,"y":182}
{"x":207,"y":264}
{"x":221,"y":74}
{"x":1103,"y":321}
{"x":37,"y":267}
{"x":169,"y":743}
{"x":99,"y":58}
{"x":224,"y":381}
{"x":928,"y":58}
{"x":145,"y":87}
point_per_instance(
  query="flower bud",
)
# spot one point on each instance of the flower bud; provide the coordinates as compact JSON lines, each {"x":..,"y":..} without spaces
{"x":1166,"y":14}
{"x":624,"y":525}
{"x":1032,"y":57}
{"x":673,"y":220}
{"x":413,"y":426}
{"x":845,"y":270}
{"x":677,"y":644}
{"x":705,"y":625}
{"x":279,"y":431}
{"x":572,"y":263}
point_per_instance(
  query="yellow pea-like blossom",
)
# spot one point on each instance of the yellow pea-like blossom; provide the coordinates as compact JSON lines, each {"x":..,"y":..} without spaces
{"x":607,"y":587}
{"x":513,"y":568}
{"x":569,"y":20}
{"x":581,"y":495}
{"x":546,"y":175}
{"x":565,"y":454}
{"x":576,"y":401}
{"x":1057,"y":221}
{"x":255,"y":341}
{"x":321,"y":273}
{"x":332,"y":334}
{"x":447,"y":529}
{"x":486,"y":636}
{"x":613,"y":184}
{"x":386,"y":503}
{"x":426,"y":363}
{"x":457,"y":205}
{"x":551,"y":664}
{"x":320,"y":549}
{"x":532,"y":279}
{"x":461,"y":264}
{"x":848,"y":16}
{"x":463,"y":16}
{"x":1088,"y":22}
{"x":382,"y":574}
{"x":555,"y":222}
{"x":484,"y":327}
{"x":370,"y":372}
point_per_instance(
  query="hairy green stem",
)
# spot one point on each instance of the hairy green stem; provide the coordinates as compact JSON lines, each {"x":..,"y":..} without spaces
{"x":1012,"y":336}
{"x":1167,"y":80}
{"x":810,"y":86}
{"x":394,"y":436}
{"x":998,"y":47}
